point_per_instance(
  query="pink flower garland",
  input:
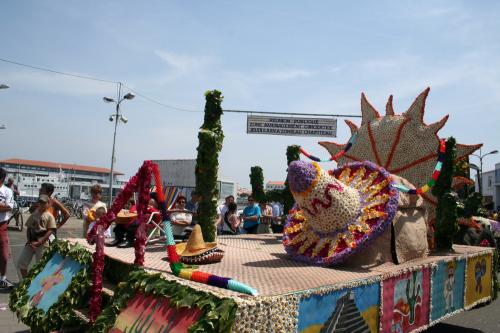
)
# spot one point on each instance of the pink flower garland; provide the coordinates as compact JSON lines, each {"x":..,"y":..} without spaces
{"x":139,"y":183}
{"x":97,"y":270}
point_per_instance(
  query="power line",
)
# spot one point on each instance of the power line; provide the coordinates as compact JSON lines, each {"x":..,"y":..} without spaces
{"x":152,"y":100}
{"x":57,"y":72}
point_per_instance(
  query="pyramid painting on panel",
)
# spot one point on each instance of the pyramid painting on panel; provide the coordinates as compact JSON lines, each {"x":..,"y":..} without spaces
{"x":346,"y":310}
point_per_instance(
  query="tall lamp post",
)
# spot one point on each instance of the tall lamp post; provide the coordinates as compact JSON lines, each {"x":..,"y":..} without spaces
{"x":116,"y":117}
{"x":3,"y":86}
{"x":481,"y":156}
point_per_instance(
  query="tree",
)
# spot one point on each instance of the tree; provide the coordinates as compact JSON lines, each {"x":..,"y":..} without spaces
{"x":210,"y":139}
{"x":274,"y":195}
{"x":292,"y":154}
{"x":257,"y":182}
{"x":446,"y":210}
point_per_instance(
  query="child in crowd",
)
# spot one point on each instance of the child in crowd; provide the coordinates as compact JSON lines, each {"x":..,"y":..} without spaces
{"x":40,"y":228}
{"x":94,"y":216}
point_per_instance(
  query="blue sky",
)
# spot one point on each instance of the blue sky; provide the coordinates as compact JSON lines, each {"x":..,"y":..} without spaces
{"x":312,"y":57}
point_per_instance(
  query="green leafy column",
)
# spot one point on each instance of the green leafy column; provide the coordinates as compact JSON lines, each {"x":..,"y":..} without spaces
{"x":210,"y":139}
{"x":446,"y":210}
{"x":257,"y":182}
{"x":292,"y":154}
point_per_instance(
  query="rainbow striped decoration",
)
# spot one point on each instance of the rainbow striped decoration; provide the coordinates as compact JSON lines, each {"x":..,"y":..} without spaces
{"x":177,"y":267}
{"x":435,"y":174}
{"x":171,"y":193}
{"x":334,"y":157}
{"x":182,"y":271}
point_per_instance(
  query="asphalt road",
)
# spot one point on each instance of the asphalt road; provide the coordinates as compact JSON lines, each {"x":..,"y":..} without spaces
{"x":485,"y":319}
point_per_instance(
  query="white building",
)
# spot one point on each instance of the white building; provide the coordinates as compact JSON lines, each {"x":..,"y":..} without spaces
{"x":69,"y":180}
{"x":181,"y":173}
{"x":491,"y":186}
{"x":275,"y":185}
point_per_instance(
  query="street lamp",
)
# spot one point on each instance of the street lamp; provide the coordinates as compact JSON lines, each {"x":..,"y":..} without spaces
{"x":481,"y":156}
{"x":3,"y":86}
{"x":115,"y":117}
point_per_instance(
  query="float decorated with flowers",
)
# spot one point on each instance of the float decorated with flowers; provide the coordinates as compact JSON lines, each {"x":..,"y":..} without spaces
{"x":353,"y":257}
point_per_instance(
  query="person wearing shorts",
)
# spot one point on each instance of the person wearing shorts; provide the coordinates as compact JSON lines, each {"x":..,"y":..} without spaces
{"x":40,"y":228}
{"x":6,"y":205}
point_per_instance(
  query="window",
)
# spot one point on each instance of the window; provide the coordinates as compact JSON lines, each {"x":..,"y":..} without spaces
{"x":489,"y":181}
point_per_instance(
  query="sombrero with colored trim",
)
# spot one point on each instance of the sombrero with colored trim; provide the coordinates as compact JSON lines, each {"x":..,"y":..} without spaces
{"x":195,"y":245}
{"x":339,"y":212}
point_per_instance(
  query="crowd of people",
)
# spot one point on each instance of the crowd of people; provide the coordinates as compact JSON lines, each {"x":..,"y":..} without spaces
{"x":41,"y":226}
{"x":256,"y":218}
{"x":48,"y":214}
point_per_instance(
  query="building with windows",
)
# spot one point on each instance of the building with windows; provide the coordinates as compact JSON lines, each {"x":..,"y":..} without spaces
{"x":70,"y":180}
{"x":275,"y":185}
{"x":491,"y":187}
{"x":181,"y":174}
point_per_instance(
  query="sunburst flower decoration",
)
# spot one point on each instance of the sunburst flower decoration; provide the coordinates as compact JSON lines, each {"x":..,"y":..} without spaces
{"x":339,"y":212}
{"x":403,"y":144}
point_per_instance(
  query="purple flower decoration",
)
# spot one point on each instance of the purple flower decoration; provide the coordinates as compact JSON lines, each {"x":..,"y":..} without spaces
{"x":301,"y":175}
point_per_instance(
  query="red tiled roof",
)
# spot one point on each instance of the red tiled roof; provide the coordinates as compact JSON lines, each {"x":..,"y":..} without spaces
{"x":55,"y":165}
{"x":275,"y":183}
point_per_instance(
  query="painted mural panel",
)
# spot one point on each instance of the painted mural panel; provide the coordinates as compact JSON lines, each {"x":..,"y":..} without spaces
{"x":344,"y":310}
{"x":154,"y":315}
{"x":52,"y":281}
{"x":405,"y":305}
{"x":448,"y":280}
{"x":478,"y":279}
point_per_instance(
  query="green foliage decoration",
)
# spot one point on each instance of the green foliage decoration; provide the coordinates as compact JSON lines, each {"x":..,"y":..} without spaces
{"x":61,"y":311}
{"x":210,"y":138}
{"x":274,"y":195}
{"x":257,"y":182}
{"x":446,"y":210}
{"x":472,"y":204}
{"x":217,"y":313}
{"x":292,"y":154}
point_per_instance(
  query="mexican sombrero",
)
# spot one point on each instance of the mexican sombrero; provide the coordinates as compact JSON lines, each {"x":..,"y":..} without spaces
{"x":339,"y":212}
{"x":195,"y":245}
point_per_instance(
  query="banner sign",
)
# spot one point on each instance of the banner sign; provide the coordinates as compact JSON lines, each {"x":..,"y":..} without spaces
{"x":292,"y":126}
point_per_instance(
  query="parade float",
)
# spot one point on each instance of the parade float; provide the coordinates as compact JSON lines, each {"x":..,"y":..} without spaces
{"x":354,"y":255}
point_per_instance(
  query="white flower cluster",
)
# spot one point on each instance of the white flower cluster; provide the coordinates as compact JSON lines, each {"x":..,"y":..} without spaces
{"x":343,"y":204}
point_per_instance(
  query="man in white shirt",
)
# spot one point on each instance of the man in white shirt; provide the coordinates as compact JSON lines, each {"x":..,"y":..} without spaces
{"x":6,"y":205}
{"x":221,"y":211}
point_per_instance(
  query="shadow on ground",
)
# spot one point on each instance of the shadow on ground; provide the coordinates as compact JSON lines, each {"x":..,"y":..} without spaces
{"x":448,"y":328}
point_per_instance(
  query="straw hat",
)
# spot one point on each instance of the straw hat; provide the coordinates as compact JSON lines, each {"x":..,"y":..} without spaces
{"x":341,"y":211}
{"x":195,"y":244}
{"x":125,"y":217}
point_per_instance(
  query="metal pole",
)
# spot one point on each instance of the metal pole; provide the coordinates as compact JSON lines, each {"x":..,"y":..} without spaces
{"x":113,"y":157}
{"x":481,"y":173}
{"x":114,"y":141}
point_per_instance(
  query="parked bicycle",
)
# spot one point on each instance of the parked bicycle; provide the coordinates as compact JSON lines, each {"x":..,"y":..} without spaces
{"x":75,"y":207}
{"x":17,"y":216}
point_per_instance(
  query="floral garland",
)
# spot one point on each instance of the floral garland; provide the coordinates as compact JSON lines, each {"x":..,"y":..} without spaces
{"x":61,"y":311}
{"x":141,"y":183}
{"x":218,"y":314}
{"x":335,"y":157}
{"x":435,"y":175}
{"x":138,"y":183}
